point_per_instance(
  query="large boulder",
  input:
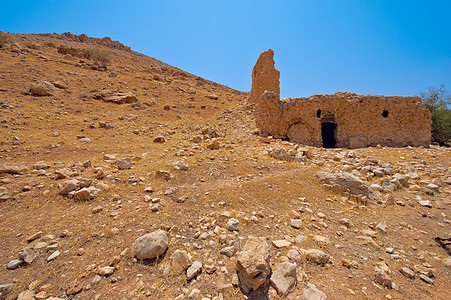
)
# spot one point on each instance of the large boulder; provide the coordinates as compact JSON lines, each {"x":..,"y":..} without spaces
{"x":252,"y":264}
{"x":346,"y":182}
{"x":43,"y":88}
{"x":151,"y":245}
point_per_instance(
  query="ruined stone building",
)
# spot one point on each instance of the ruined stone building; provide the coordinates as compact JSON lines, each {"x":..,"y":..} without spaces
{"x":344,"y":120}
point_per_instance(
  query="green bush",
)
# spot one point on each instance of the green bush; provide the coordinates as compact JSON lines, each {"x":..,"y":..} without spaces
{"x":99,"y":55}
{"x":438,"y":102}
{"x":3,"y":39}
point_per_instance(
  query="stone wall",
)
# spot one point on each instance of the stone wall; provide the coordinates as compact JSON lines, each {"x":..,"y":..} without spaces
{"x":344,"y":120}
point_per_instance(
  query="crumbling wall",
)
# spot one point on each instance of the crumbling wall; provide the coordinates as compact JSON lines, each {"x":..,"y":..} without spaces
{"x":358,"y":120}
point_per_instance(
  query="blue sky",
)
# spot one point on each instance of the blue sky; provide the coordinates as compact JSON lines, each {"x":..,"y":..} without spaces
{"x":380,"y":47}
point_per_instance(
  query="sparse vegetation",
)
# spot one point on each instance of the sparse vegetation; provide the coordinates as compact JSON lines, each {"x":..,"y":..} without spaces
{"x":99,"y":55}
{"x":438,"y":102}
{"x":3,"y":39}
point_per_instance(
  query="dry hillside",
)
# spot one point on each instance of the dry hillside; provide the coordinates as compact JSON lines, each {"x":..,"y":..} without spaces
{"x":101,"y":145}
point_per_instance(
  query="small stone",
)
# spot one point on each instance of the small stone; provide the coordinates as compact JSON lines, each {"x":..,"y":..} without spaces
{"x":85,"y":140}
{"x":123,"y":164}
{"x":97,"y":209}
{"x":312,"y":293}
{"x":300,"y":239}
{"x":68,"y":186}
{"x":41,"y":295}
{"x":345,"y":222}
{"x":4,"y":290}
{"x":425,"y":203}
{"x":426,"y":279}
{"x":43,"y":88}
{"x":180,"y":165}
{"x":53,"y":256}
{"x":281,"y":243}
{"x":105,"y":271}
{"x":159,"y":139}
{"x":28,"y":255}
{"x":26,"y":295}
{"x":382,"y":227}
{"x":409,"y":273}
{"x":296,"y":223}
{"x":194,"y":270}
{"x":86,"y":194}
{"x":194,"y":293}
{"x":283,"y":279}
{"x":180,"y":261}
{"x":232,"y":224}
{"x":151,"y":245}
{"x":74,"y":287}
{"x":34,"y":236}
{"x":321,"y":240}
{"x":14,"y":264}
{"x":80,"y":251}
{"x":228,"y":251}
{"x":316,"y":256}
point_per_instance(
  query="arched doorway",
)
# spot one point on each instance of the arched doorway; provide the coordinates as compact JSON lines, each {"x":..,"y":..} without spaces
{"x":328,"y":134}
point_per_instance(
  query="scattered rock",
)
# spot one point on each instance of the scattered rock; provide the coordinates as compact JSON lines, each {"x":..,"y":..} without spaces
{"x":13,"y":168}
{"x":28,"y":255}
{"x":296,"y":223}
{"x":426,"y":279}
{"x":159,"y":139}
{"x":425,"y":203}
{"x":283,"y":279}
{"x":34,"y":236}
{"x":4,"y":290}
{"x":105,"y":271}
{"x":53,"y":256}
{"x":193,"y":294}
{"x":232,"y":224}
{"x":281,"y":243}
{"x":252,"y":264}
{"x":214,"y":145}
{"x":316,"y":256}
{"x":123,"y":164}
{"x":383,"y":279}
{"x":312,"y":293}
{"x":194,"y":270}
{"x":321,"y":240}
{"x":409,"y":273}
{"x":68,"y":186}
{"x":180,"y":261}
{"x":117,"y":98}
{"x":43,"y":88}
{"x":282,"y":154}
{"x":86,"y":194}
{"x":14,"y":264}
{"x":345,"y":182}
{"x":151,"y":245}
{"x":162,"y":175}
{"x":180,"y":165}
{"x":228,"y":251}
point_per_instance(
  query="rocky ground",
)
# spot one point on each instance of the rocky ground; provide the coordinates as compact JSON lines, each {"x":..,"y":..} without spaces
{"x":139,"y":180}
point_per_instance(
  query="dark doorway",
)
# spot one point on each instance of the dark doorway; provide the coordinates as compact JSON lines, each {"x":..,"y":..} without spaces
{"x":328,"y":131}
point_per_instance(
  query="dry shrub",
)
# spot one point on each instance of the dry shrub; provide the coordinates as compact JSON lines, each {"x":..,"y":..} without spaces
{"x":99,"y":55}
{"x":3,"y":39}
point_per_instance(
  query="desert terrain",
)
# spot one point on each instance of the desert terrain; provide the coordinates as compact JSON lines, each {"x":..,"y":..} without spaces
{"x":95,"y":155}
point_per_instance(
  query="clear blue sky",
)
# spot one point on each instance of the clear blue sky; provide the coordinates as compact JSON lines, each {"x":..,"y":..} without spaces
{"x":387,"y":47}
